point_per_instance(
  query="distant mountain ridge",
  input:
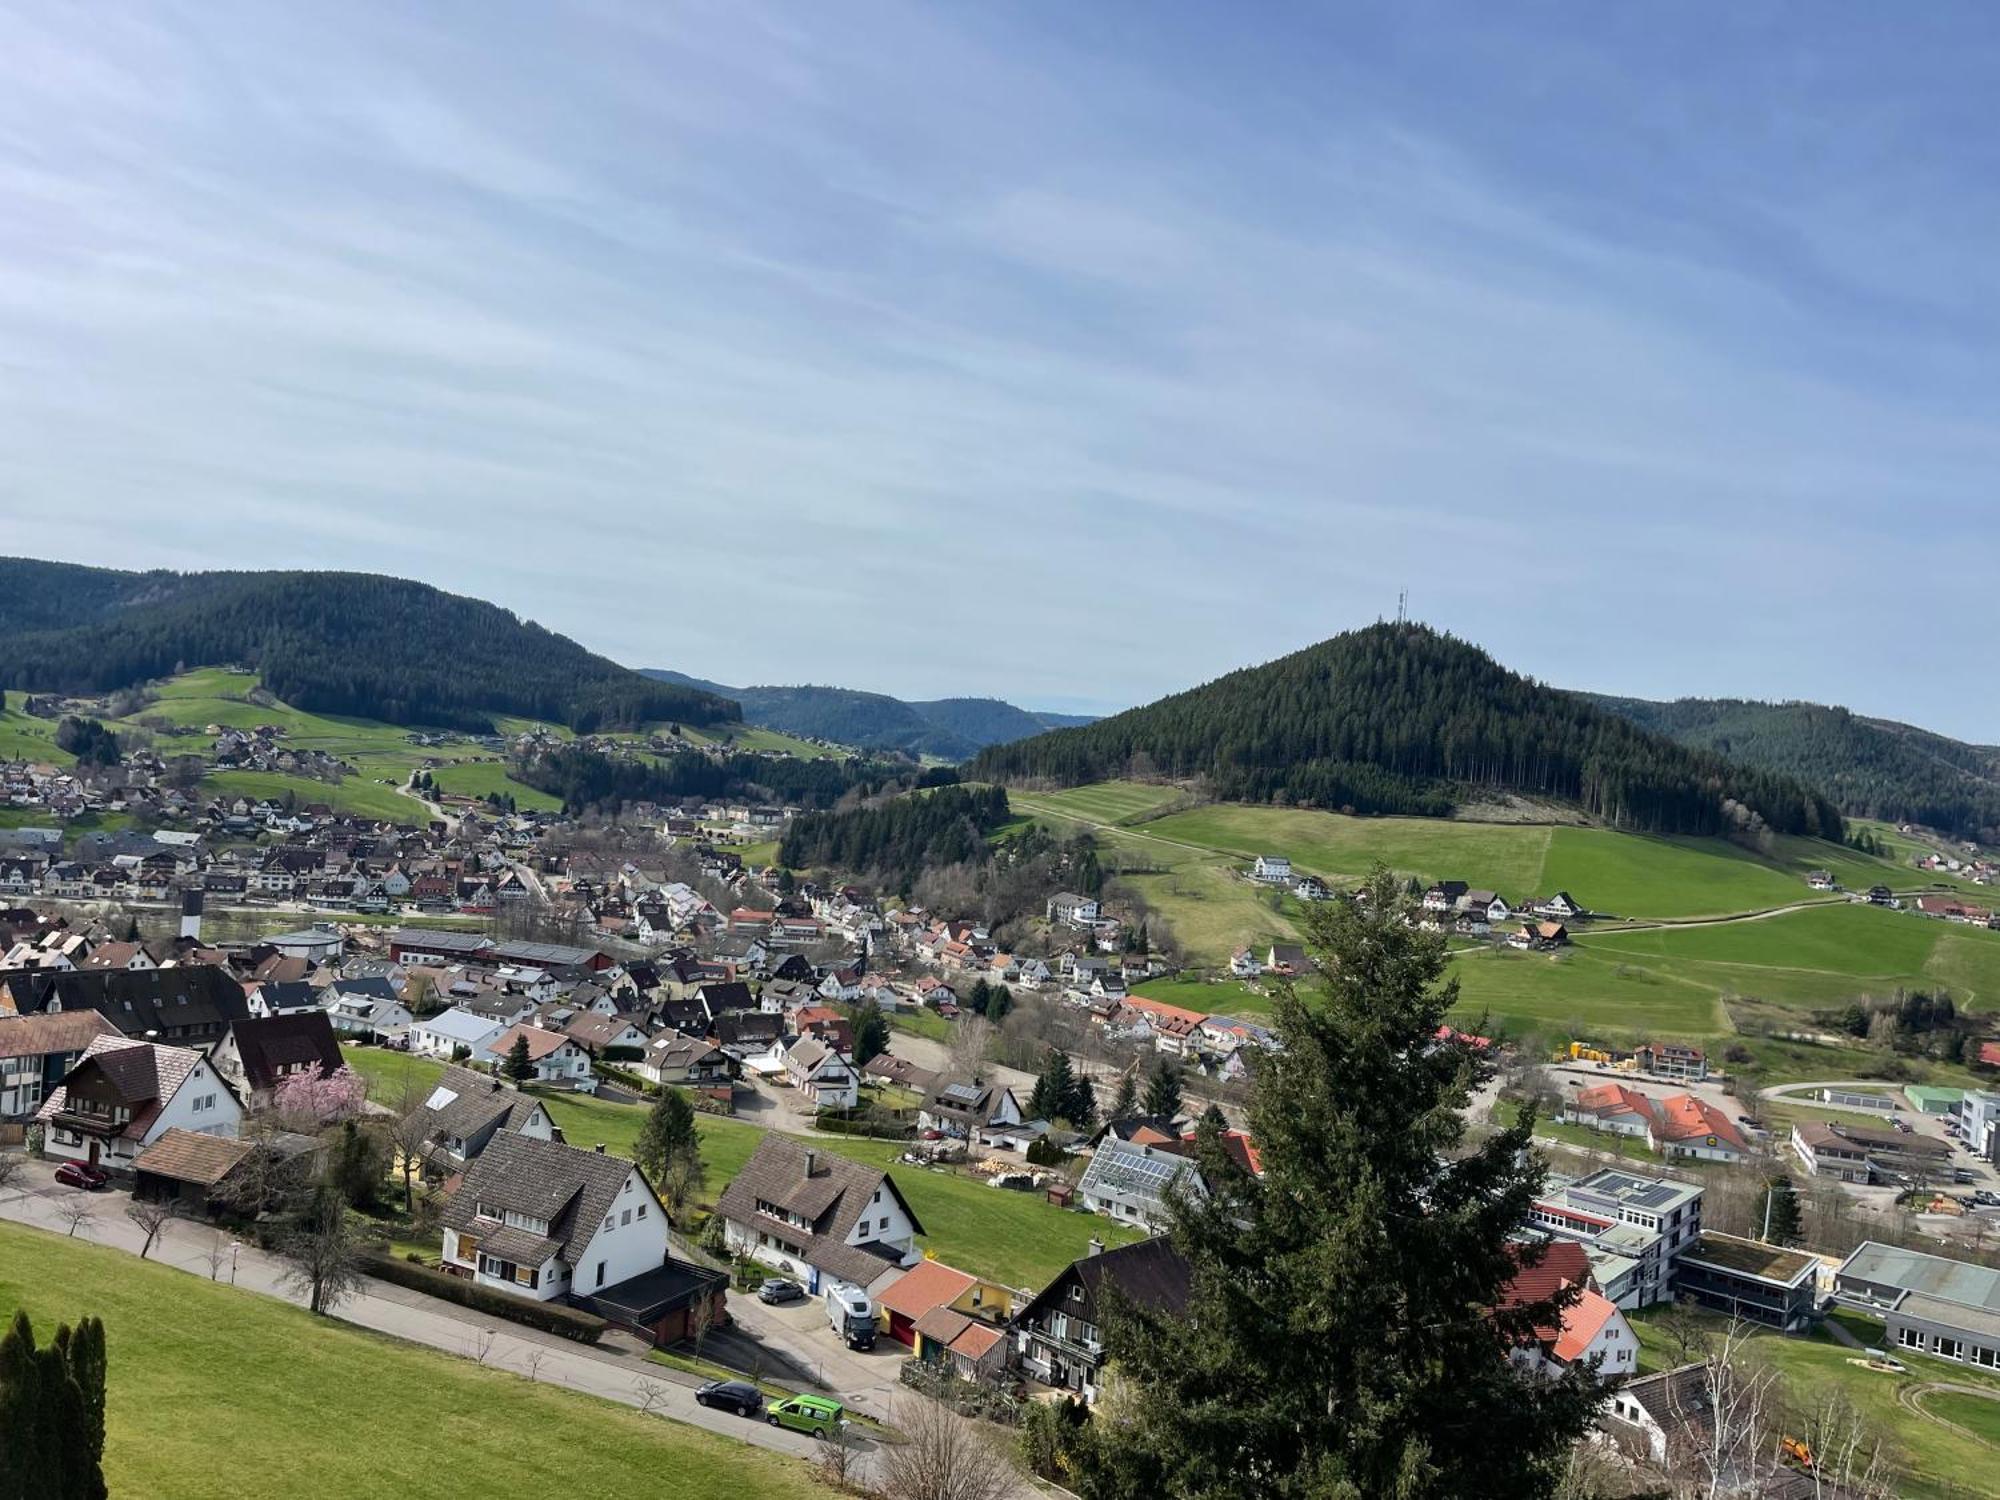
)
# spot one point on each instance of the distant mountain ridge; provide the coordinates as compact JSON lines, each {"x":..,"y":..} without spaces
{"x":1875,"y":768}
{"x":1405,"y":719}
{"x":360,"y":644}
{"x":949,"y":728}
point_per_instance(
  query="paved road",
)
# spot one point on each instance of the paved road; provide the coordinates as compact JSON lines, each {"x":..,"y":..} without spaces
{"x":34,"y":1199}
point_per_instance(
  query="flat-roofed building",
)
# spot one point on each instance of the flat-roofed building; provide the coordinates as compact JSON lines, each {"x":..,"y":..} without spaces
{"x":1932,"y":1305}
{"x":1748,"y":1279}
{"x":1632,"y":1226}
{"x":1862,"y":1153}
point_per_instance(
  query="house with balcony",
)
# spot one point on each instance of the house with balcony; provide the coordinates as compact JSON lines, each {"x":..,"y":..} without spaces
{"x":35,"y":1053}
{"x":124,"y":1095}
{"x":1059,"y":1334}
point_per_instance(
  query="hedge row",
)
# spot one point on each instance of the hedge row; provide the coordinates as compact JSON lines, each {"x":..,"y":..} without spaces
{"x":585,"y":1328}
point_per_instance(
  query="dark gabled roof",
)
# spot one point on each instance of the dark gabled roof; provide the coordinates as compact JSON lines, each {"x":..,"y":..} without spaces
{"x":747,"y":1026}
{"x":197,"y":999}
{"x":569,"y":1189}
{"x":271,"y":1046}
{"x":1150,"y":1274}
{"x":723,"y":998}
{"x":464,"y":1104}
{"x":293,"y":994}
{"x":832,"y":1197}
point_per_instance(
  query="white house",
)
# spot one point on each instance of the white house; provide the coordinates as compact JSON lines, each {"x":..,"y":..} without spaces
{"x":556,"y":1058}
{"x":1131,"y":1182}
{"x":542,"y":1220}
{"x":1271,"y":869}
{"x":819,"y":1217}
{"x":123,"y":1095}
{"x":1071,"y":910}
{"x":443,"y":1034}
{"x":822,"y":1075}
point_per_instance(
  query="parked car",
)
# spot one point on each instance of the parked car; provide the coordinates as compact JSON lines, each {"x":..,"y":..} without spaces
{"x":822,"y":1416}
{"x":1750,"y":1122}
{"x":777,"y":1289}
{"x":739,"y":1396}
{"x":81,"y":1174}
{"x":1986,"y":1199}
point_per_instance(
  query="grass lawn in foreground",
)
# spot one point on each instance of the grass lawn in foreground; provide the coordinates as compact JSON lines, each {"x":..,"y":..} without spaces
{"x":220,"y":1394}
{"x":1019,"y":1239}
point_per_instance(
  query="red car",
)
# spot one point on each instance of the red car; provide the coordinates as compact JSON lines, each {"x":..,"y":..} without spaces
{"x":78,"y":1174}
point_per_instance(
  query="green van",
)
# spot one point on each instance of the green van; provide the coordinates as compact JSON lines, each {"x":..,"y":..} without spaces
{"x":822,"y":1416}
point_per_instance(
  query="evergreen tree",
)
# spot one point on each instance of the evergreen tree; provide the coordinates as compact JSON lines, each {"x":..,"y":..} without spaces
{"x":52,"y":1413}
{"x":871,"y":1032}
{"x":23,"y":1464}
{"x":1163,"y":1090}
{"x":1126,"y":1101}
{"x":1214,"y":1116}
{"x":1055,"y":1088}
{"x":977,"y":997}
{"x":517,"y":1065}
{"x":668,"y":1149}
{"x":999,"y":1000}
{"x":1781,"y":1218}
{"x":1343,"y":1336}
{"x":1081,"y":1110}
{"x":356,"y":1166}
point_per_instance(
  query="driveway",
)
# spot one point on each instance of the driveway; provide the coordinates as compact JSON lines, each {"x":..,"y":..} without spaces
{"x":34,"y":1198}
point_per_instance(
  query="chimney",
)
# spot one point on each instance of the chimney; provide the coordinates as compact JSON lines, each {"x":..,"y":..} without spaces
{"x":1096,"y":1245}
{"x":598,"y":1148}
{"x":812,"y":1160}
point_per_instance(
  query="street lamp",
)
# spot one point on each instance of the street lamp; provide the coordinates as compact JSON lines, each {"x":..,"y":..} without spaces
{"x":234,"y":1247}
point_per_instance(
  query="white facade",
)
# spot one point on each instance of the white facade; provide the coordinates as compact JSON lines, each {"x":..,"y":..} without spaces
{"x":442,"y":1034}
{"x":202,"y":1103}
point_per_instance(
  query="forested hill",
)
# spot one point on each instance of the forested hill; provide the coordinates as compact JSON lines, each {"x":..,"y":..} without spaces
{"x":1872,"y":768}
{"x":337,"y":643}
{"x":950,"y":728}
{"x":1404,"y":719}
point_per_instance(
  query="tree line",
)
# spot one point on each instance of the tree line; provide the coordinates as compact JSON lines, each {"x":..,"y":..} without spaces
{"x":1405,"y":719}
{"x":584,"y":777}
{"x":335,"y":643}
{"x":52,"y":1412}
{"x":1872,"y":768}
{"x":896,"y":840}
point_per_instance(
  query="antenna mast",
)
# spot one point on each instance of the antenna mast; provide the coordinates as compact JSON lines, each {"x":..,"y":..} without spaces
{"x":1403,"y":607}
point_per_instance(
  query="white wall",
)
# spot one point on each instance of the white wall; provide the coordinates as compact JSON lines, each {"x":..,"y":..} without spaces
{"x":900,"y":1232}
{"x":634,"y":1242}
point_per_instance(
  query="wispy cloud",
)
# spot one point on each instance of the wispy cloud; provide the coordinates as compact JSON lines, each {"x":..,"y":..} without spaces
{"x":1059,"y":354}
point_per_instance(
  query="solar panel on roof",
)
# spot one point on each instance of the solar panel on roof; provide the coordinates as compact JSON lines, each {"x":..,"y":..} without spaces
{"x":963,"y":1093}
{"x":440,"y":1097}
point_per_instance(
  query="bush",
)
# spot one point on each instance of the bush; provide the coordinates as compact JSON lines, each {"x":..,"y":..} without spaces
{"x":585,"y":1328}
{"x":624,"y":1077}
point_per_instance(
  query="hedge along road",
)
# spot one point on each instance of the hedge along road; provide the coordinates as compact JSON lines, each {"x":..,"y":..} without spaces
{"x":35,"y":1200}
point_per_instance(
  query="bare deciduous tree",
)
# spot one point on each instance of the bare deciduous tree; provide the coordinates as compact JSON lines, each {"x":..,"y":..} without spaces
{"x":652,"y":1396}
{"x":152,"y":1217}
{"x":945,"y":1457}
{"x":76,"y":1210}
{"x":409,"y":1129}
{"x":217,"y":1254}
{"x":971,"y":1038}
{"x":532,"y":1361}
{"x":481,"y":1346}
{"x":322,"y":1255}
{"x":1850,"y":1458}
{"x":11,"y":1163}
{"x":1720,"y":1436}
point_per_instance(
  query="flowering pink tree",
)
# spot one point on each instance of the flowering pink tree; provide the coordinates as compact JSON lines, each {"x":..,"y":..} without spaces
{"x":308,"y":1100}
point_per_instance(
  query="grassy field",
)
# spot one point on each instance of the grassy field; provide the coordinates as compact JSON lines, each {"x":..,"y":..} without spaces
{"x":203,"y":1378}
{"x":1015,"y":1238}
{"x":357,"y":795}
{"x":1678,"y":980}
{"x":483,"y":778}
{"x":24,"y":737}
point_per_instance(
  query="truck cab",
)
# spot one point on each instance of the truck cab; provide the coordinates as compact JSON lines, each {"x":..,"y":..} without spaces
{"x":851,"y":1314}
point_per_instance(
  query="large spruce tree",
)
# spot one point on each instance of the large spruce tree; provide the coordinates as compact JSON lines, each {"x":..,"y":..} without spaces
{"x":52,"y":1413}
{"x":1343,"y":1337}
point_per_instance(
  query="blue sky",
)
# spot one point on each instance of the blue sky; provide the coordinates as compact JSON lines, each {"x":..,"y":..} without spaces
{"x":1070,"y":353}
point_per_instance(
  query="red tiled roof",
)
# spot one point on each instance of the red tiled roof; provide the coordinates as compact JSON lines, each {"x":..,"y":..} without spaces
{"x":1684,"y":1117}
{"x":924,"y":1286}
{"x":1614,"y":1099}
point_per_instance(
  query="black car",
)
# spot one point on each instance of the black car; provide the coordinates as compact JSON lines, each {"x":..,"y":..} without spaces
{"x":777,"y":1289}
{"x":739,"y":1396}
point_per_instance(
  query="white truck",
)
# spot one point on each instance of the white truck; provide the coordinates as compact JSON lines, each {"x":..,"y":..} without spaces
{"x":851,"y":1314}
